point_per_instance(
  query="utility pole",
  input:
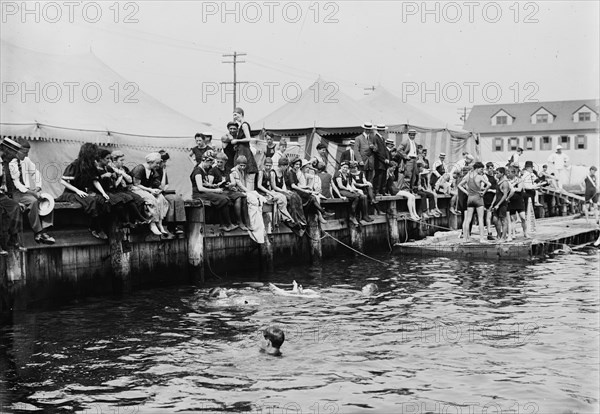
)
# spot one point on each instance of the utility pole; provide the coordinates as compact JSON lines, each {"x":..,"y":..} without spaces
{"x":235,"y":82}
{"x":371,"y":88}
{"x":464,"y":112}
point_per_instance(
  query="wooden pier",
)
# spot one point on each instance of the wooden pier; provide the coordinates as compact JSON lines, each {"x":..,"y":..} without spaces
{"x":79,"y":265}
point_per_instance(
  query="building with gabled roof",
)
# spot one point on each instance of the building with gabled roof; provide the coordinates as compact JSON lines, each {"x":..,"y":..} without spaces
{"x":538,"y":128}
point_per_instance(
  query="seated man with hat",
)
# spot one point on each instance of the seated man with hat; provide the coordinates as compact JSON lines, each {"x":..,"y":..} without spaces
{"x":11,"y":219}
{"x":24,"y":185}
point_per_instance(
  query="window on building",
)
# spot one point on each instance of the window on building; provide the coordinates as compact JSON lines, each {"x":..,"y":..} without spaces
{"x":529,"y":145}
{"x":565,"y":141}
{"x":580,"y":142}
{"x":502,"y":120}
{"x":584,"y":116}
{"x":541,"y":119}
{"x":498,"y":144}
{"x":293,"y":139}
{"x":513,"y":143}
{"x":545,"y":143}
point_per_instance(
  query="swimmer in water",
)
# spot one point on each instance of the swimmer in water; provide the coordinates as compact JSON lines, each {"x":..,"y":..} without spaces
{"x":217,"y":293}
{"x":220,"y":297}
{"x":274,"y":339}
{"x":297,"y":290}
{"x":370,"y":289}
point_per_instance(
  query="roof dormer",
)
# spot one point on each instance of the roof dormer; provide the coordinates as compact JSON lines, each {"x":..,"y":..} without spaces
{"x":585,"y":114}
{"x":502,"y":118}
{"x":542,"y":116}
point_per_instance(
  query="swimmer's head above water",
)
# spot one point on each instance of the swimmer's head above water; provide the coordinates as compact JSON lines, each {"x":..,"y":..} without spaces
{"x":370,"y":289}
{"x":217,"y":293}
{"x":274,"y":339}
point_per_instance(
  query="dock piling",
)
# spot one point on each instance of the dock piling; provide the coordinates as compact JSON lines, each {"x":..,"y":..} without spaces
{"x":195,"y":241}
{"x":392,"y":222}
{"x":313,"y":231}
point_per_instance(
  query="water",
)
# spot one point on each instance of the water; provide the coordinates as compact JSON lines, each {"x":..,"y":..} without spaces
{"x":443,"y":336}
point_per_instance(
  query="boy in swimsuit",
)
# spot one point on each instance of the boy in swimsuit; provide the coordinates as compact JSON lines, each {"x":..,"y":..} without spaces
{"x":274,"y":339}
{"x":474,"y":185}
{"x":500,"y":203}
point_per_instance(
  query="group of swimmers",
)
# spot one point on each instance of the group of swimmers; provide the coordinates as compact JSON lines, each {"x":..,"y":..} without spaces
{"x":274,"y":336}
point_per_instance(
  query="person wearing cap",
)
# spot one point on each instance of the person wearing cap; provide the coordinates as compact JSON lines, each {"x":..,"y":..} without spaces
{"x":438,"y":169}
{"x":345,"y":184}
{"x":201,"y":147}
{"x":363,"y":150}
{"x":24,"y":185}
{"x":382,"y":160}
{"x":176,"y":214}
{"x":145,"y":177}
{"x":228,"y":147}
{"x":408,"y":151}
{"x":428,"y":196}
{"x":348,"y":154}
{"x":360,"y":182}
{"x":557,"y":162}
{"x":11,"y":218}
{"x":205,"y":191}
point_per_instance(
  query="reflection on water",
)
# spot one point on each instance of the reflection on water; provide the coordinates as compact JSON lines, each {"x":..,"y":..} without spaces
{"x":442,"y":336}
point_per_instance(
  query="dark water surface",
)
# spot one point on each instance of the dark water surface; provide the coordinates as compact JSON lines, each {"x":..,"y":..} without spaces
{"x":443,"y":336}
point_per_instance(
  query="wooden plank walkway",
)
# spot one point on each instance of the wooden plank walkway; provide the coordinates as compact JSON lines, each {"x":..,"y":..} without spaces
{"x":551,"y":234}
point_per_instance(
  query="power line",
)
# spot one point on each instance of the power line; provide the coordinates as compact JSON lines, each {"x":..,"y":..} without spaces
{"x":235,"y":82}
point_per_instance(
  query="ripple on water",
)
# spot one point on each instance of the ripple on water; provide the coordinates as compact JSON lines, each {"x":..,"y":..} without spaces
{"x":522,"y":337}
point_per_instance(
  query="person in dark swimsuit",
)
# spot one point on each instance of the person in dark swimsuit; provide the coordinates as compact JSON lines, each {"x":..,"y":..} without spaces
{"x":499,"y":205}
{"x":475,"y":186}
{"x":242,"y":141}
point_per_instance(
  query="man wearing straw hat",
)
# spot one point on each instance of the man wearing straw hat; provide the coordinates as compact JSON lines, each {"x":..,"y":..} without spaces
{"x":363,"y":149}
{"x":24,"y":184}
{"x":382,"y":160}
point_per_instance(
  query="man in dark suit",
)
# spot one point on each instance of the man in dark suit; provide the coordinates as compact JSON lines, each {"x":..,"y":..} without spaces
{"x":348,"y":155}
{"x":363,"y":149}
{"x":408,"y":151}
{"x":382,"y":160}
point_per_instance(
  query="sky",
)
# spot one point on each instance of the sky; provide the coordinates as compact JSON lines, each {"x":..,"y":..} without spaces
{"x":437,"y":56}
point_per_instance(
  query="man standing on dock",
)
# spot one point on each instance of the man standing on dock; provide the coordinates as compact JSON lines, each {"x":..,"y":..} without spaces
{"x":557,"y":162}
{"x":363,"y":150}
{"x":408,"y":150}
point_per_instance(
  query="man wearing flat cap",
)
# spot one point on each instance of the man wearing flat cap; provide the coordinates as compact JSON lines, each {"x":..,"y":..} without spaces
{"x":24,"y":185}
{"x":408,"y":151}
{"x":363,"y":149}
{"x":348,"y":154}
{"x":438,"y":169}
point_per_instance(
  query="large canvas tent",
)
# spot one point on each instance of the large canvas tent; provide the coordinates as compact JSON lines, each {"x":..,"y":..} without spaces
{"x":323,"y":114}
{"x":60,"y":102}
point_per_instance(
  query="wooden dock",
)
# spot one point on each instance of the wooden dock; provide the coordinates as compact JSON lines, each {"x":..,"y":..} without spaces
{"x":79,"y":265}
{"x":551,"y":234}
